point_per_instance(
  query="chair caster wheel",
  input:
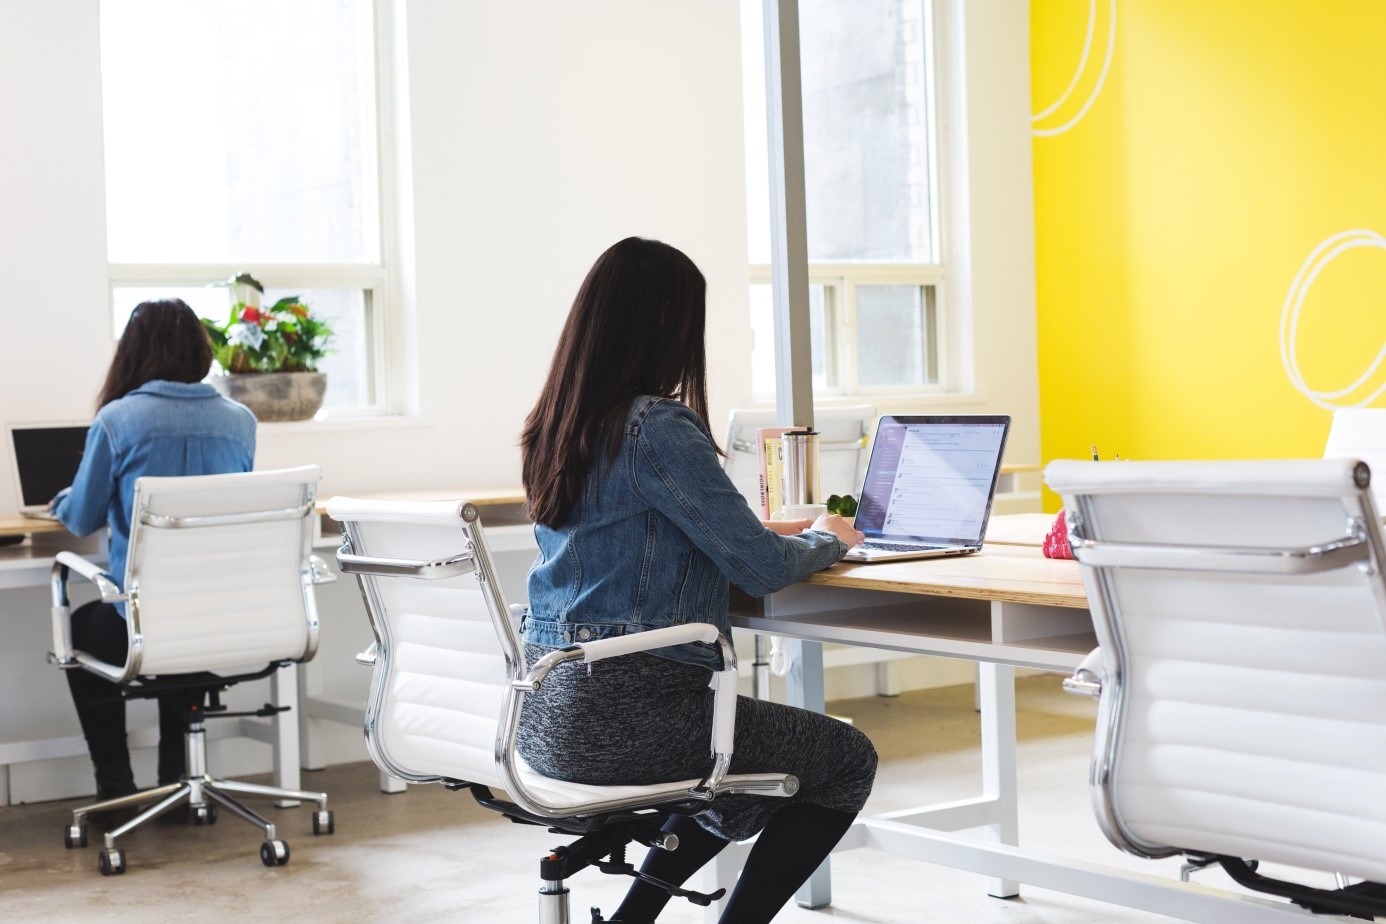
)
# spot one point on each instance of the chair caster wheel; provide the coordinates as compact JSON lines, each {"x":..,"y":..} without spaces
{"x":112,"y":861}
{"x":274,"y":853}
{"x":75,"y":836}
{"x":323,"y":823}
{"x":205,"y":814}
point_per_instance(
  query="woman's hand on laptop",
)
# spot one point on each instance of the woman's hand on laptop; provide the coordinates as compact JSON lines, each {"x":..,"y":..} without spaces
{"x":832,"y":523}
{"x":787,"y":527}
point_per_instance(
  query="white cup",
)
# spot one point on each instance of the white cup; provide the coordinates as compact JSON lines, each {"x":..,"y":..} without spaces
{"x":803,"y":511}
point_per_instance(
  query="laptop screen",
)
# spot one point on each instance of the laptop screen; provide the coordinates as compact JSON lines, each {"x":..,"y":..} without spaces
{"x":931,"y":479}
{"x":46,"y":460}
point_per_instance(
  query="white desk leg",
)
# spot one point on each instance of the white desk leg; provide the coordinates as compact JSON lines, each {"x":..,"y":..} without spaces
{"x":284,"y":692}
{"x":721,"y":873}
{"x":4,"y":784}
{"x":996,"y":684}
{"x":804,"y":685}
{"x":390,"y":784}
{"x":309,"y":741}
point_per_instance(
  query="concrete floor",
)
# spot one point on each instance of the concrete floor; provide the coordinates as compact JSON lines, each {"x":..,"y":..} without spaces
{"x":431,"y":855}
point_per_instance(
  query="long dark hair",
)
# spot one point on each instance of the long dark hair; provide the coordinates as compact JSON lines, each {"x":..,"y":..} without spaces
{"x":635,"y":328}
{"x":163,"y":340}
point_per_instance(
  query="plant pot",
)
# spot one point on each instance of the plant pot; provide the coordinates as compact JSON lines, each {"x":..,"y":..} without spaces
{"x":275,"y":395}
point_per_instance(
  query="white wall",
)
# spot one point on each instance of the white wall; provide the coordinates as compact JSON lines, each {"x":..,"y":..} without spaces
{"x":540,"y":136}
{"x":541,"y":133}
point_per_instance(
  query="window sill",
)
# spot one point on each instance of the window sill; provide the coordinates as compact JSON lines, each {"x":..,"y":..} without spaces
{"x":892,"y":399}
{"x":344,"y":424}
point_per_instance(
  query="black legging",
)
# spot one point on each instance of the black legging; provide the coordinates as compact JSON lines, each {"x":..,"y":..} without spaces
{"x":100,"y":630}
{"x":786,"y":853}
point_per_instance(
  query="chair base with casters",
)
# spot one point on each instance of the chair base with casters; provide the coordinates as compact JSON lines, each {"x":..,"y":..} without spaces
{"x":198,"y":789}
{"x":601,"y":843}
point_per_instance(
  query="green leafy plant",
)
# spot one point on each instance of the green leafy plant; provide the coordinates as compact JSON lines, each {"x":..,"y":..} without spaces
{"x":844,"y":505}
{"x":284,"y":337}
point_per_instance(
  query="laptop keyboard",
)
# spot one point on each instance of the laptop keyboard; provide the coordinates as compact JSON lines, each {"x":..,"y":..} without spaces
{"x":898,"y":546}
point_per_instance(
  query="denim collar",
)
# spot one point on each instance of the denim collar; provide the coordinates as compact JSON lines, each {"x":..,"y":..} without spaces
{"x":176,"y":389}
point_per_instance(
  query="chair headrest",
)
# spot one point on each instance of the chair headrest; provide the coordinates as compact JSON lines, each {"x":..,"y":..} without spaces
{"x":1286,"y":477}
{"x":440,"y":513}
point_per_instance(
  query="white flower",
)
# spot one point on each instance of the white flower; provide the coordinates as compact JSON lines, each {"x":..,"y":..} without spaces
{"x":246,"y":335}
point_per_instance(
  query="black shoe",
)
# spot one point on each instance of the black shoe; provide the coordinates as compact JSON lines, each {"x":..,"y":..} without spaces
{"x":178,"y":815}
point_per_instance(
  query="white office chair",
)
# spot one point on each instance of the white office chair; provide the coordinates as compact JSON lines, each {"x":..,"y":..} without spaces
{"x":450,"y":680}
{"x":843,"y":434}
{"x":219,"y":578}
{"x":1241,"y":612}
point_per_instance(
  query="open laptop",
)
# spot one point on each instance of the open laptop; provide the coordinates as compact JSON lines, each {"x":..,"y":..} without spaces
{"x":929,"y":486}
{"x":45,"y":459}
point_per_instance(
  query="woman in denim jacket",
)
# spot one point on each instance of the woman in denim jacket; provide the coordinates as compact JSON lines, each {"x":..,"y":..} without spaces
{"x":156,"y":417}
{"x":638,"y":528}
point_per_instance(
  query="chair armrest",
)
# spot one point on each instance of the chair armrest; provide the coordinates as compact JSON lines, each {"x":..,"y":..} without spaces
{"x":369,"y":656}
{"x":1086,"y":679}
{"x":645,"y":641}
{"x":110,"y":592}
{"x":63,"y":654}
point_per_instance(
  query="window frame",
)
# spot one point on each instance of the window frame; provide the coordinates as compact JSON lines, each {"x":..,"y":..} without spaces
{"x":840,"y":351}
{"x":842,"y":278}
{"x":377,"y":281}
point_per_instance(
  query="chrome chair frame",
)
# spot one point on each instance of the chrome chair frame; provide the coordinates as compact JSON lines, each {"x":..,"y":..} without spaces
{"x":604,"y":825}
{"x":198,"y":786}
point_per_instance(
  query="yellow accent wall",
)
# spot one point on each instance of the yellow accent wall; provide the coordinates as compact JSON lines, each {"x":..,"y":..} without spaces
{"x":1229,"y":145}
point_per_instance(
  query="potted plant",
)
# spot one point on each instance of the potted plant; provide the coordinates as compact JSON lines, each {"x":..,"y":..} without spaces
{"x":845,"y":506}
{"x":270,"y":355}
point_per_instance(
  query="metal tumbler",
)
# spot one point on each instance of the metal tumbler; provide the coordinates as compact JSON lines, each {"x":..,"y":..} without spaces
{"x":800,"y":467}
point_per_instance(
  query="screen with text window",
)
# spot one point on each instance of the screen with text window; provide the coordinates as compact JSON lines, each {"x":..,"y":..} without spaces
{"x":931,"y":481}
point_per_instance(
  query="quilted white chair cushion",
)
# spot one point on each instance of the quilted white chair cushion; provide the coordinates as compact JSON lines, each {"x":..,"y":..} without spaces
{"x":1251,"y":717}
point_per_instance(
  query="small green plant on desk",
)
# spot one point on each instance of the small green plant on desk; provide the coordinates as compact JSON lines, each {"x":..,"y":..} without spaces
{"x":844,"y":505}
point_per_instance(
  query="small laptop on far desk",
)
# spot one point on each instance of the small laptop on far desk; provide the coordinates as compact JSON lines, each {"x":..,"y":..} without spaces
{"x":929,"y":486}
{"x":45,"y":459}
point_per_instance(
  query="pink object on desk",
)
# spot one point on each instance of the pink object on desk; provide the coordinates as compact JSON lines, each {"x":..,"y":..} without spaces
{"x":1056,"y":540}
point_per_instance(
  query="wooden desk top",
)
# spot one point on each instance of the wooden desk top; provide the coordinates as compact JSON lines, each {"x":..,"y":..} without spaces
{"x":15,"y":525}
{"x":1019,"y":529}
{"x":1007,"y":573}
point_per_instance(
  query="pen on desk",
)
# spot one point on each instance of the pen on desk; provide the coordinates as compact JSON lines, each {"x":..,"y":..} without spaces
{"x":1094,"y":452}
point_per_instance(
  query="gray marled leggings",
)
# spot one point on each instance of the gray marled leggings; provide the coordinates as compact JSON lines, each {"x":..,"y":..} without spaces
{"x":644,"y":719}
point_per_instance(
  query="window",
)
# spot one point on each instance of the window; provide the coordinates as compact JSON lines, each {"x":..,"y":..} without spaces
{"x":241,"y":137}
{"x":876,"y":280}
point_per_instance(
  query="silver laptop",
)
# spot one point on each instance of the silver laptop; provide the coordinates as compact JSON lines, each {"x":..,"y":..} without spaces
{"x":45,"y":459}
{"x":929,"y":486}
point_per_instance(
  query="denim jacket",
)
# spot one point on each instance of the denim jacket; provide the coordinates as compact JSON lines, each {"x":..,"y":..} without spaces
{"x":654,"y":540}
{"x":160,"y":428}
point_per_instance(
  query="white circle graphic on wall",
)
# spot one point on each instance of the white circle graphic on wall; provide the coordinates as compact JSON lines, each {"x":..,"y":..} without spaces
{"x":1054,"y":107}
{"x":1320,"y":257}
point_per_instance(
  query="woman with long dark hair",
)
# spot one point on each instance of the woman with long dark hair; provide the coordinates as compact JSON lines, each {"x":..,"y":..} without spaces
{"x":639,"y":528}
{"x":155,"y":416}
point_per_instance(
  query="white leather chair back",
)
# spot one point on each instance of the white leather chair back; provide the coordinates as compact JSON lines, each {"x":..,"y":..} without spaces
{"x":843,"y":435}
{"x":218,"y":570}
{"x":441,"y":673}
{"x":1243,"y":707}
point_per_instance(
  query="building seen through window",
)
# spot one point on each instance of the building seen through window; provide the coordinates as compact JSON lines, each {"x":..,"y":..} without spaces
{"x":870,"y":194}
